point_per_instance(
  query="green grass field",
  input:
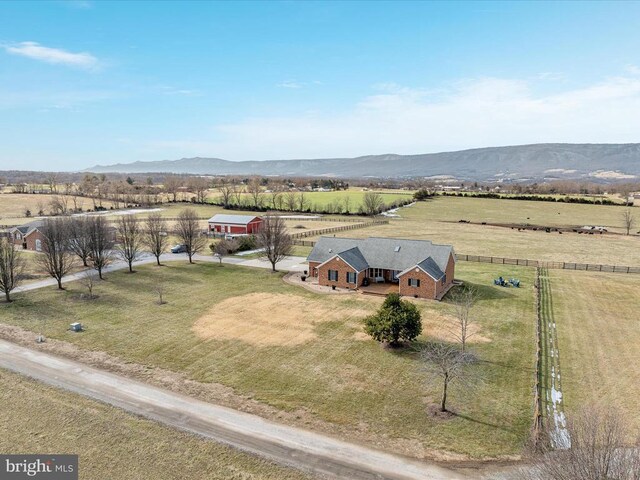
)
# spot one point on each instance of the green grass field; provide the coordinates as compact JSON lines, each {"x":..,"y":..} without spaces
{"x":305,"y":352}
{"x":318,"y":201}
{"x":599,"y":339}
{"x":114,"y":444}
{"x":437,"y":220}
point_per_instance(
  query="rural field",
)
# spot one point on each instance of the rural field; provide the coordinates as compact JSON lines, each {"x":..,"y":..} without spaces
{"x":599,"y":334}
{"x":305,"y":353}
{"x":318,"y":201}
{"x":438,"y":220}
{"x":37,"y":418}
{"x":14,"y":205}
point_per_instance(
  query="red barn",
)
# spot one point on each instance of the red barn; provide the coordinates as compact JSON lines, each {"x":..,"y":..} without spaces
{"x":235,"y":224}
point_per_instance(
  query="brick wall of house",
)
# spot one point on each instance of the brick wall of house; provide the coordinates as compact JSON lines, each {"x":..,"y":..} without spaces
{"x":31,"y":240}
{"x":342,"y":267}
{"x":428,"y":286}
{"x":17,"y":238}
{"x":312,"y":268}
{"x":450,"y":271}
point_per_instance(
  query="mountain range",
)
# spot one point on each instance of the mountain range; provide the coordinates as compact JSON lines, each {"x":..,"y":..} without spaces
{"x":511,"y":163}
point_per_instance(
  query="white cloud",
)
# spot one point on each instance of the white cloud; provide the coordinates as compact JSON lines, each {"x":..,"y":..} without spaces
{"x":56,"y":56}
{"x":290,"y":84}
{"x":467,"y":114}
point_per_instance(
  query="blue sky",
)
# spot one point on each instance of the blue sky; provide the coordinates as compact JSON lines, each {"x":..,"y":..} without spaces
{"x":85,"y":82}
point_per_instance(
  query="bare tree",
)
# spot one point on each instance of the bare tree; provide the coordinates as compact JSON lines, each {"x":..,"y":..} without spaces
{"x":445,"y":364}
{"x":11,"y":267}
{"x":199,"y":186}
{"x":223,"y":248}
{"x":303,"y":202}
{"x":79,"y":242}
{"x":372,"y":203}
{"x":56,"y":258}
{"x":52,"y":181}
{"x":88,"y":281}
{"x":155,"y":235}
{"x":276,"y":197}
{"x":226,"y":192}
{"x":291,"y":201}
{"x":237,"y":192}
{"x":255,"y":191}
{"x":59,"y":205}
{"x":172,"y":184}
{"x":188,"y":231}
{"x":599,"y":448}
{"x":463,"y":300}
{"x":130,"y":236}
{"x":347,"y":203}
{"x":101,"y":243}
{"x":628,"y":220}
{"x":274,"y":240}
{"x":159,"y":288}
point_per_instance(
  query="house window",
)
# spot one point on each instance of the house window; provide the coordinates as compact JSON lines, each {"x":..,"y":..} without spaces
{"x":333,"y":275}
{"x":351,"y":277}
{"x":38,"y":245}
{"x":414,"y":282}
{"x":376,"y":272}
{"x":444,"y":279}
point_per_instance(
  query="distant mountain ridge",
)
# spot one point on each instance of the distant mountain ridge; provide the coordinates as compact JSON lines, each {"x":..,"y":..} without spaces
{"x":520,"y":162}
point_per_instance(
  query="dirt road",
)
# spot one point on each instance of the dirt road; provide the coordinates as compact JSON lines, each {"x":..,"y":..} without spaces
{"x":286,"y":445}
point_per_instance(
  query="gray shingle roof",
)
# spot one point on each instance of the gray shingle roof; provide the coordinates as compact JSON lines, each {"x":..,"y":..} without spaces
{"x":29,"y":227}
{"x":354,"y":258}
{"x":431,"y":268}
{"x":384,"y":253}
{"x":235,"y":219}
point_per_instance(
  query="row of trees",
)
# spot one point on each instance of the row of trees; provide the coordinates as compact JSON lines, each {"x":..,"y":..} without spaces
{"x":92,"y":240}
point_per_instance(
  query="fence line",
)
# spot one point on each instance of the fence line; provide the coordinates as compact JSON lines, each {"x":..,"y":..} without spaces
{"x":537,"y":397}
{"x":342,"y":228}
{"x":588,"y":267}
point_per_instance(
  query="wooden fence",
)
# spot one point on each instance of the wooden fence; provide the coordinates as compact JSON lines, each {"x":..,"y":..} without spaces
{"x":537,"y":396}
{"x":587,"y":267}
{"x":342,"y":228}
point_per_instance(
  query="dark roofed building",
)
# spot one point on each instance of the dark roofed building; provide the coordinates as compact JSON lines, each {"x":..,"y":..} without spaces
{"x":418,"y":267}
{"x":28,"y":236}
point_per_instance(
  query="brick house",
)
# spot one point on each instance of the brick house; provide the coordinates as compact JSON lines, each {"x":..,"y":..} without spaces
{"x":28,"y":236}
{"x":419,"y":268}
{"x":235,"y":224}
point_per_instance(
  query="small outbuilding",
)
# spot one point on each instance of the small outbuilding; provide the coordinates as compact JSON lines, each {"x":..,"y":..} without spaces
{"x":235,"y":224}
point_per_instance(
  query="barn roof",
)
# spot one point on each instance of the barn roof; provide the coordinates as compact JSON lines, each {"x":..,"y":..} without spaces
{"x":386,"y":253}
{"x":234,"y":219}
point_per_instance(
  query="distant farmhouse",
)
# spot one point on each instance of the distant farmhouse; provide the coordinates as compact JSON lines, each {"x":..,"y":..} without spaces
{"x":235,"y":224}
{"x":418,"y":267}
{"x":28,"y":236}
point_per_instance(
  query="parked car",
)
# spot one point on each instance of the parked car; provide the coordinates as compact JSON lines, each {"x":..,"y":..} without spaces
{"x":179,"y":249}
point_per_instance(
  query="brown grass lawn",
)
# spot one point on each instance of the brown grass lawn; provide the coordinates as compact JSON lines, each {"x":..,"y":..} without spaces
{"x":113,"y":444}
{"x":13,"y":206}
{"x":304,"y":352}
{"x":437,"y":220}
{"x":598,"y":322}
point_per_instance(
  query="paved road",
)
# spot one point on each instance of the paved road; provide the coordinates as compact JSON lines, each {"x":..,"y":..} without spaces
{"x":291,"y":264}
{"x":286,"y":445}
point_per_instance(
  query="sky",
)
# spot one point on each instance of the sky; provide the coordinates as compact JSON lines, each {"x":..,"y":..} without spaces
{"x":95,"y":82}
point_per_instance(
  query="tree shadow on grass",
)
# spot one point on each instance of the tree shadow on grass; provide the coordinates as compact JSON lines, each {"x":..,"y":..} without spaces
{"x":504,"y":428}
{"x":485,"y":292}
